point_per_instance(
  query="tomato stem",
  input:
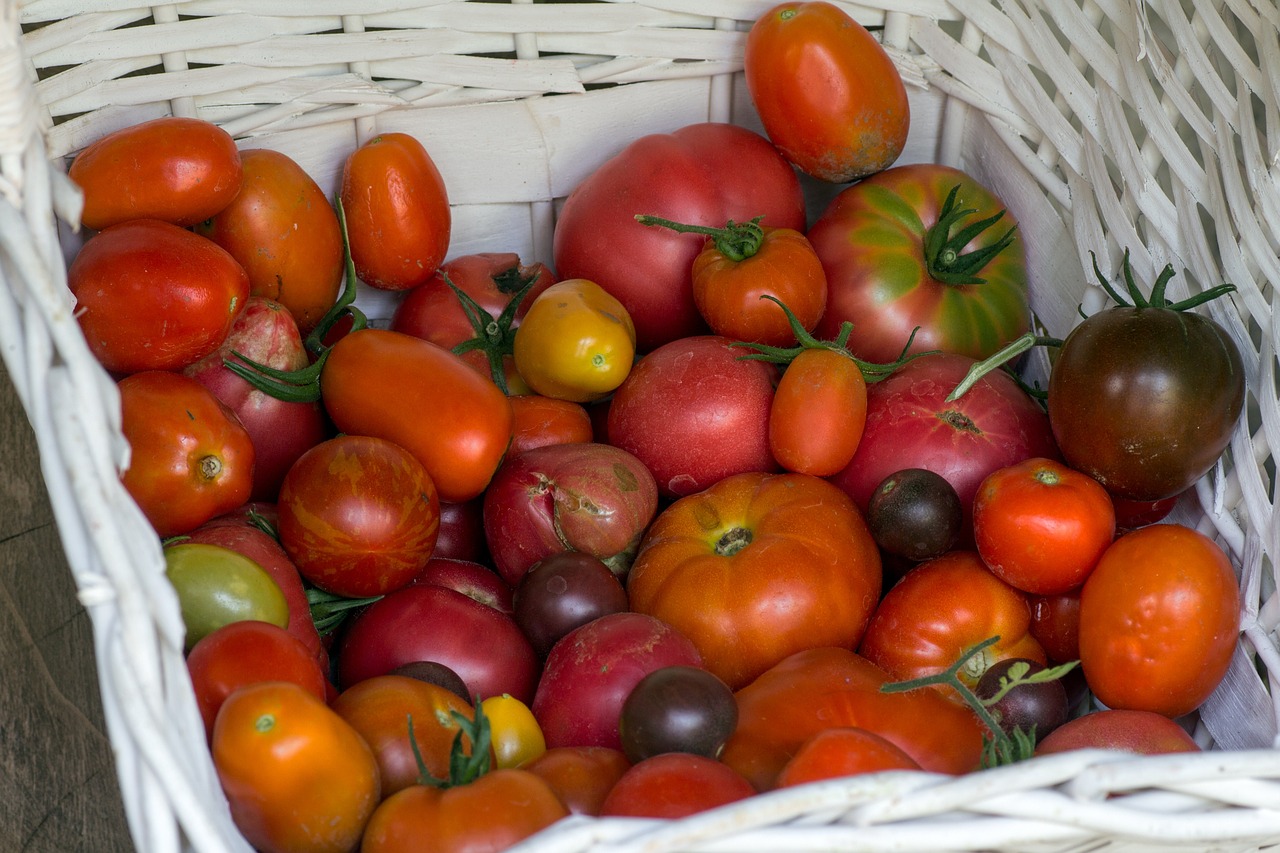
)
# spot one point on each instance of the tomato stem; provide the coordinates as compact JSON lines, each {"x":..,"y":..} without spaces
{"x":465,"y":765}
{"x":1157,"y":298}
{"x":733,"y":541}
{"x":737,"y":241}
{"x":329,"y":610}
{"x":494,"y":336}
{"x":944,"y":253}
{"x":999,"y":358}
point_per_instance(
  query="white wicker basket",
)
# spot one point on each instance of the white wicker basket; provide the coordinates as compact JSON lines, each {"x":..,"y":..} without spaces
{"x":1118,"y":123}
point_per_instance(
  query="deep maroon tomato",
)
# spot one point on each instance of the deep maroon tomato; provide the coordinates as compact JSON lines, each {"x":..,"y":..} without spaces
{"x":1038,"y":707}
{"x":190,"y":459}
{"x":153,"y":296}
{"x":915,"y":514}
{"x":1145,"y":398}
{"x":828,"y":94}
{"x":679,"y":176}
{"x":897,"y":258}
{"x":284,"y":232}
{"x":177,"y":169}
{"x":397,"y":210}
{"x":358,"y":516}
{"x":470,"y":578}
{"x":677,"y":709}
{"x":563,"y":591}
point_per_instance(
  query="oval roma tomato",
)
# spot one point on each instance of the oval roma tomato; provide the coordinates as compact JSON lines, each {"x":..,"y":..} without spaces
{"x":576,"y":342}
{"x":397,"y":211}
{"x":757,"y":567}
{"x":674,"y":785}
{"x":177,"y":169}
{"x":1159,"y":620}
{"x":901,"y":254}
{"x":818,"y":413}
{"x":940,"y":609}
{"x":1040,"y":526}
{"x":680,"y":176}
{"x":425,"y":399}
{"x":358,"y":516}
{"x":298,"y":777}
{"x":497,"y":810}
{"x":828,"y":95}
{"x":190,"y":459}
{"x":284,"y":232}
{"x":830,"y":687}
{"x":153,"y":296}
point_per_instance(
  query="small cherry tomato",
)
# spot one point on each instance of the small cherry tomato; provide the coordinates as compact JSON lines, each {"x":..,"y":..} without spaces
{"x":575,"y":343}
{"x":743,"y":263}
{"x":843,"y":751}
{"x":283,"y":230}
{"x":677,"y":709}
{"x":675,"y":785}
{"x":217,"y":586}
{"x":153,"y":296}
{"x":1035,"y":707}
{"x":818,"y":412}
{"x":397,"y":211}
{"x":1159,"y":620}
{"x":517,"y":737}
{"x":190,"y":459}
{"x":1041,"y":526}
{"x":915,"y":514}
{"x":247,"y":652}
{"x":298,"y":777}
{"x":177,"y":169}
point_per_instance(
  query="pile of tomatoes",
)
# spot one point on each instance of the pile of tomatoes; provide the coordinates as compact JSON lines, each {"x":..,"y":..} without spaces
{"x":704,"y":512}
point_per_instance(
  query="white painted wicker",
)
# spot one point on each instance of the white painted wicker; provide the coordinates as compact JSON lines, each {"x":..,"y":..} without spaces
{"x":1121,"y":123}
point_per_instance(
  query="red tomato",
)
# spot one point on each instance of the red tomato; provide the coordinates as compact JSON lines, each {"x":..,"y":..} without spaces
{"x":1139,"y":732}
{"x":828,"y":95}
{"x":844,"y":751}
{"x":1159,"y":620}
{"x":492,"y":280}
{"x":831,"y":687}
{"x":283,"y":230}
{"x":497,"y":810}
{"x":941,"y":608}
{"x":744,"y":262}
{"x":298,"y":777}
{"x":153,"y":296}
{"x":581,"y":776}
{"x":1055,"y":623}
{"x":358,"y":516}
{"x":180,"y":170}
{"x":540,"y":421}
{"x":818,"y":413}
{"x":461,"y":534}
{"x":190,"y":459}
{"x":681,"y":176}
{"x":397,"y":211}
{"x":1040,"y":526}
{"x":248,"y":652}
{"x":380,"y":708}
{"x":674,"y":785}
{"x":424,"y":398}
{"x":757,"y":567}
{"x":897,"y":258}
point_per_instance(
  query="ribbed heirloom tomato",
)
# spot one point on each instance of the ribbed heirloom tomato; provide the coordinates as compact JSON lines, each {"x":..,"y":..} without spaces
{"x":757,"y":567}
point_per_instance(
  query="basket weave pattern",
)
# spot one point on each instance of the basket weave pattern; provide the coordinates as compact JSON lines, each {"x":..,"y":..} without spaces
{"x":1152,"y":126}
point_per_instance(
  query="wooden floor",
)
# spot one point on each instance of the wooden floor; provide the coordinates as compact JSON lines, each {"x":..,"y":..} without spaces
{"x":58,"y":788}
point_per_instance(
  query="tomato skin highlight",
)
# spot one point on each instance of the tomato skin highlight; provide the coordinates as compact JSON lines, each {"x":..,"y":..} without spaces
{"x":177,"y":169}
{"x":1159,"y":620}
{"x":397,"y":210}
{"x":818,"y":413}
{"x":424,"y":398}
{"x":828,"y":94}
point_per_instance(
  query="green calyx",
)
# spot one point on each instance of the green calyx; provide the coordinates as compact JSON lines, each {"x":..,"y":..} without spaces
{"x":944,"y":255}
{"x":871,"y":371}
{"x":1157,"y":298}
{"x":465,"y":764}
{"x":494,"y":336}
{"x":329,"y":610}
{"x":737,"y":241}
{"x":303,"y":385}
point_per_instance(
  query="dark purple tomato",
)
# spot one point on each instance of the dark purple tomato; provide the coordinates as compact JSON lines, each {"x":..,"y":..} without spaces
{"x":1039,"y":706}
{"x":563,"y":591}
{"x":677,"y":709}
{"x":434,"y":672}
{"x":915,"y":514}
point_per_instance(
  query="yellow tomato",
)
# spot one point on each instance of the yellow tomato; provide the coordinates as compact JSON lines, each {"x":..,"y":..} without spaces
{"x":575,"y":343}
{"x":517,"y":737}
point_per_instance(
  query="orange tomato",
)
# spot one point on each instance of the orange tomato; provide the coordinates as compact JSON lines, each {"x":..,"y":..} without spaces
{"x":397,"y":210}
{"x":298,"y":777}
{"x":843,"y":751}
{"x":284,"y":232}
{"x":540,"y":421}
{"x":818,"y":413}
{"x":180,"y":170}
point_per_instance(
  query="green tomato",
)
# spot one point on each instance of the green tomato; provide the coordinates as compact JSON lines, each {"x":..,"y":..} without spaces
{"x":217,"y":586}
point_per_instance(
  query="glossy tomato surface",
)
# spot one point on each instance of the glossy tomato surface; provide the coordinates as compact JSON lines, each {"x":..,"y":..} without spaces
{"x":886,"y":276}
{"x":757,"y":567}
{"x":818,"y":413}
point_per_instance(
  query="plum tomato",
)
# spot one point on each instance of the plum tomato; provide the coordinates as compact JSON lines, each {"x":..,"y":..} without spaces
{"x":217,"y":586}
{"x":818,"y":412}
{"x":563,"y":591}
{"x":843,"y":751}
{"x":677,"y":709}
{"x":674,"y":785}
{"x":915,"y":514}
